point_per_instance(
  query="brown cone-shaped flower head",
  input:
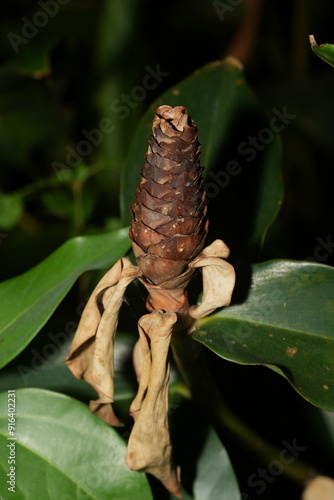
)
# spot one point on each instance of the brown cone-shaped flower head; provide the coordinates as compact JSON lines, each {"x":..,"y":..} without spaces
{"x":169,"y":223}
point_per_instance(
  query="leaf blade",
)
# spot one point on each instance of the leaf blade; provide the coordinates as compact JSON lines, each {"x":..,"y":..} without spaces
{"x":215,"y":477}
{"x":67,"y":450}
{"x":286,"y":322}
{"x":325,"y":51}
{"x":27,"y":301}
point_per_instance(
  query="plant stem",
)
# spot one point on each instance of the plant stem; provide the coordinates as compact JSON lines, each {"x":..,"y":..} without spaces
{"x":53,"y":181}
{"x":191,"y":361}
{"x":244,"y":40}
{"x":302,"y":14}
{"x":78,"y":206}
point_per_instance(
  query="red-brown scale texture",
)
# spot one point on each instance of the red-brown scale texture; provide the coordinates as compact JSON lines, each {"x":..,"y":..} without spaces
{"x":169,"y":222}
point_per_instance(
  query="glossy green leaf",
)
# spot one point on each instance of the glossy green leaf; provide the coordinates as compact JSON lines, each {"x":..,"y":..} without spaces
{"x":325,"y":51}
{"x":27,"y":301}
{"x":63,"y":452}
{"x":228,"y":116}
{"x":284,"y":319}
{"x":269,"y":194}
{"x":328,"y":419}
{"x":43,"y":367}
{"x":215,"y":476}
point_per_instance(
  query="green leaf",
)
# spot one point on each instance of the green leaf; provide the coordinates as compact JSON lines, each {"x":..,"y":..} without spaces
{"x":215,"y":476}
{"x":328,"y":419}
{"x":27,"y":301}
{"x":33,"y":61}
{"x":29,"y":117}
{"x":269,"y":197}
{"x":325,"y":51}
{"x":227,"y":113}
{"x":11,"y":208}
{"x":44,"y":368}
{"x":285,"y":321}
{"x":64,"y":452}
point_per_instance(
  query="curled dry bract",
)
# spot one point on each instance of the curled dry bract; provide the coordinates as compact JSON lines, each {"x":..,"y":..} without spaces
{"x":91,"y":356}
{"x":149,"y":447}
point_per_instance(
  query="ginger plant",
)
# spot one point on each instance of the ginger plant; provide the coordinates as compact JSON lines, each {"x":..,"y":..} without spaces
{"x":168,"y":231}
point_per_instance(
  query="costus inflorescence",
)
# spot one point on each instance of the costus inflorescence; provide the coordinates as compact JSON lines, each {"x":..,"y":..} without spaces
{"x":169,"y":222}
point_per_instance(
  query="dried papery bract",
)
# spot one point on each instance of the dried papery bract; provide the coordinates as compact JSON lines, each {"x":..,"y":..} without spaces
{"x":218,"y":279}
{"x":92,"y":352}
{"x":149,"y":447}
{"x":168,"y":231}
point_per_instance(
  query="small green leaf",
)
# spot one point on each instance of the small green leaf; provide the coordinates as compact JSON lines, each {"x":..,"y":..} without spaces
{"x":11,"y":208}
{"x":29,"y":117}
{"x":64,"y":452}
{"x":33,"y":61}
{"x":58,"y":203}
{"x":286,"y":322}
{"x":325,"y":51}
{"x":27,"y":301}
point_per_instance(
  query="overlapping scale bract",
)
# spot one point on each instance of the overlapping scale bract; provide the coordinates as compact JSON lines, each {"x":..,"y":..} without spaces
{"x":169,"y":223}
